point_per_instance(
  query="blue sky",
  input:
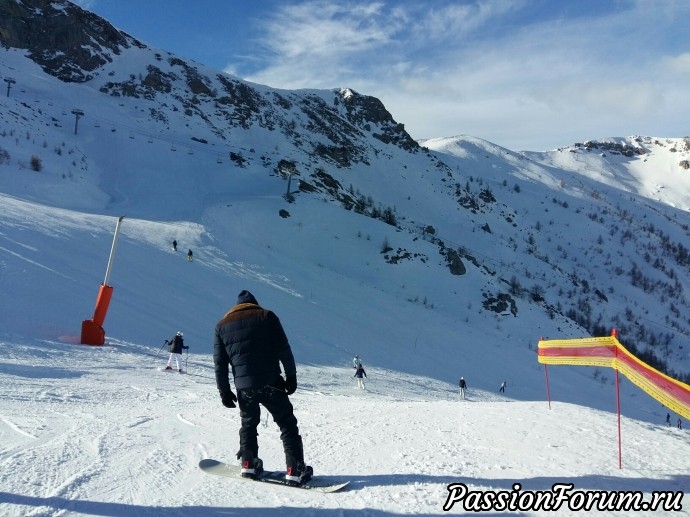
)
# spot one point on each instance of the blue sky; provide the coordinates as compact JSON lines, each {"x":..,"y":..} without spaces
{"x":525,"y":74}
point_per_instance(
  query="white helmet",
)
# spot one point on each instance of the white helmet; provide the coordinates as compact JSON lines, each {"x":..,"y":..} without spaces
{"x":179,"y":333}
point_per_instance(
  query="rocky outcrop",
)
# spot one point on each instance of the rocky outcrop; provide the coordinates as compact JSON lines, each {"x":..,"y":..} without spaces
{"x":65,"y":40}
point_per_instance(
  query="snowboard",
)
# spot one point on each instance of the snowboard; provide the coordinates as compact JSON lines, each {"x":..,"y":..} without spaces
{"x":218,"y":468}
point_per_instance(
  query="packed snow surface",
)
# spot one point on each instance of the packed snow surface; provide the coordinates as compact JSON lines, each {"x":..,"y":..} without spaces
{"x":104,"y":431}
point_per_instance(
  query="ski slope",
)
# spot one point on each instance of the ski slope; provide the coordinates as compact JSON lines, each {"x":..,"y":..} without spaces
{"x":103,"y":431}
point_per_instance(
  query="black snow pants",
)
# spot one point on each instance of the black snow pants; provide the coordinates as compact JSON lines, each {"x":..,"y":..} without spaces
{"x":278,"y":404}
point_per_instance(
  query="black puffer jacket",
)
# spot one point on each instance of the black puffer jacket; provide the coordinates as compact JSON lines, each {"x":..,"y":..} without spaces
{"x":252,"y":340}
{"x":175,"y":345}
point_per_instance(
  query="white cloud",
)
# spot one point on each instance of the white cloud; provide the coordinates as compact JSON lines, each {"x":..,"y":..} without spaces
{"x":678,"y":64}
{"x":322,"y":44}
{"x":453,"y":20}
{"x":326,"y":30}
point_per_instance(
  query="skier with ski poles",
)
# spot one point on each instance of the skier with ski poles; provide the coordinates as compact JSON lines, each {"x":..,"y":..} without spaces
{"x":175,"y":347}
{"x":251,"y":340}
{"x":359,"y":375}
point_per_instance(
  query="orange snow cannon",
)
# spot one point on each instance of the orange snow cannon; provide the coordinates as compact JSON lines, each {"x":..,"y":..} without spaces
{"x":92,"y":332}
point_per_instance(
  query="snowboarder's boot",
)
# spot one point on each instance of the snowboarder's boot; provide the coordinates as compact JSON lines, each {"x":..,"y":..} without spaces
{"x":298,"y":474}
{"x":251,"y":465}
{"x":168,"y":367}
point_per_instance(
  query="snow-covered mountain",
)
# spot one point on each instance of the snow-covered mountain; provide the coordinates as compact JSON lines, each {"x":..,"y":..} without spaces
{"x":431,"y":260}
{"x":584,"y":238}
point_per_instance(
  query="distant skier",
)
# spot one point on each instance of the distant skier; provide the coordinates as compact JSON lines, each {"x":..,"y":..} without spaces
{"x":680,"y":424}
{"x":175,"y":347}
{"x":356,"y":362}
{"x":190,"y":255}
{"x":502,"y":389}
{"x":668,"y":419}
{"x":175,"y":245}
{"x":359,"y":375}
{"x":463,"y":385}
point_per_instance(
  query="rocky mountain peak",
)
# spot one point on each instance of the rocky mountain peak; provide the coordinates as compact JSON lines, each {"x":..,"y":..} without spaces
{"x":64,"y":39}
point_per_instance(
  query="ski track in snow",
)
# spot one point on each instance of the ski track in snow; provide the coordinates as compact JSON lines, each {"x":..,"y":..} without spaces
{"x":185,"y":421}
{"x":15,"y":428}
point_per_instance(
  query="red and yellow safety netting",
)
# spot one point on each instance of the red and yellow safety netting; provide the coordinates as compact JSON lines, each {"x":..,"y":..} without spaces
{"x":608,"y":352}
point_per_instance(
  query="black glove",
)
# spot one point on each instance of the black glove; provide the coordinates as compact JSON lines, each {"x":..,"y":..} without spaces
{"x":228,"y":399}
{"x":290,"y":384}
{"x":185,"y":348}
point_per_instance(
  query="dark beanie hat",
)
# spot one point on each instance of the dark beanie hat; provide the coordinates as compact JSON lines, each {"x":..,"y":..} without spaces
{"x":246,"y":297}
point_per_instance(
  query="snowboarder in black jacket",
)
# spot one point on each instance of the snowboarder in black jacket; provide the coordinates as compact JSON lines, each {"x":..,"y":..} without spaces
{"x":252,"y":341}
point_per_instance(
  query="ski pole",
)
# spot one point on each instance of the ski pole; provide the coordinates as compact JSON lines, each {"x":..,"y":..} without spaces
{"x":186,"y":358}
{"x":159,"y":350}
